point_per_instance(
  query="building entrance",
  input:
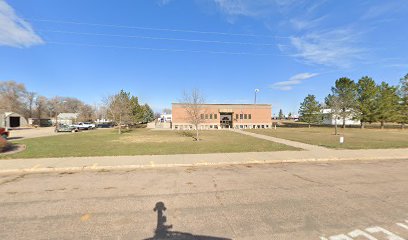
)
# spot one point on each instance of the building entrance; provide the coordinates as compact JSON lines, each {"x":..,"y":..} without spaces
{"x":226,"y":120}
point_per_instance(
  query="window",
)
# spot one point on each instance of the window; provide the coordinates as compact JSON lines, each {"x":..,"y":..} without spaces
{"x":215,"y":116}
{"x":245,"y":116}
{"x":211,"y":116}
{"x":206,"y":116}
{"x":249,"y":116}
{"x":241,"y":116}
{"x":202,"y":116}
{"x":236,"y":116}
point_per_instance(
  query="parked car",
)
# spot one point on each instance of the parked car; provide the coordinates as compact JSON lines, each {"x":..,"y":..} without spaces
{"x":3,"y":133}
{"x":104,"y":125}
{"x":84,"y":126}
{"x":66,"y":128}
{"x":91,"y":125}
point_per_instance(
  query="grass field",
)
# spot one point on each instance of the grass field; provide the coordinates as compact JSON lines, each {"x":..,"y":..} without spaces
{"x":354,"y":138}
{"x":142,"y":142}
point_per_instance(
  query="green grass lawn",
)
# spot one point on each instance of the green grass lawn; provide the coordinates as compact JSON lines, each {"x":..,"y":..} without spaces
{"x":142,"y":142}
{"x":354,"y":138}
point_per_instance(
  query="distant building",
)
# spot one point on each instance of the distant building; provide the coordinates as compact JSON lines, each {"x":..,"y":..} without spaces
{"x":216,"y":116}
{"x":165,"y":117}
{"x":66,"y":118}
{"x":12,"y":120}
{"x":330,"y":119}
{"x":41,"y":122}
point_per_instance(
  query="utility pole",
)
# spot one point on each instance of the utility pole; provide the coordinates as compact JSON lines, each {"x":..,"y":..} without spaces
{"x":256,"y":91}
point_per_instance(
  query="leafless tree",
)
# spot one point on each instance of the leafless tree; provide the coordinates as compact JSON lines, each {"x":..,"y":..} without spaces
{"x":335,"y":105}
{"x":193,"y":102}
{"x":86,"y":113}
{"x":41,"y":103}
{"x":167,"y":111}
{"x":12,"y":96}
{"x":119,"y":108}
{"x":30,"y":98}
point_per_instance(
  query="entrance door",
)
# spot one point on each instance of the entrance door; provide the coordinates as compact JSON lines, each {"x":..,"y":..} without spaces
{"x":226,"y":120}
{"x":14,"y":122}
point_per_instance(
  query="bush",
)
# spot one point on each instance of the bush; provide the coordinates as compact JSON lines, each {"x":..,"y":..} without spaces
{"x":3,"y":144}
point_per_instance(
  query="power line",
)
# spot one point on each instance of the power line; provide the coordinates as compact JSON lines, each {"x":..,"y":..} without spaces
{"x":162,"y":49}
{"x":153,"y":29}
{"x":159,"y":38}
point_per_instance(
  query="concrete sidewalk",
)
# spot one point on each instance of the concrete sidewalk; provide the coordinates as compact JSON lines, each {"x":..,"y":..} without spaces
{"x":304,"y":146}
{"x":148,"y":161}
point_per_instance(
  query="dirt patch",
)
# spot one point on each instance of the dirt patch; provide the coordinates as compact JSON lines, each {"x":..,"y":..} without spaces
{"x":14,"y":148}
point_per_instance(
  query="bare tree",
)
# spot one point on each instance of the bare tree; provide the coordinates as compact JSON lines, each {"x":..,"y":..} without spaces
{"x":86,"y":113}
{"x":41,"y":106}
{"x":166,"y":110}
{"x":30,"y":101}
{"x":335,"y":105}
{"x":119,"y":108}
{"x":12,"y":96}
{"x":193,"y":102}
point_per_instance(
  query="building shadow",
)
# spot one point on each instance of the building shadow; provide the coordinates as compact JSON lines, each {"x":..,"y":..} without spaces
{"x":163,"y":231}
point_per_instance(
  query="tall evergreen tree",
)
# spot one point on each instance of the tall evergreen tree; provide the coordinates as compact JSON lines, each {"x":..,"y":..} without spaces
{"x":366,"y":100}
{"x":403,"y":107}
{"x":281,"y":116}
{"x":148,"y":114}
{"x":345,"y":90}
{"x":387,"y":100}
{"x":309,"y":110}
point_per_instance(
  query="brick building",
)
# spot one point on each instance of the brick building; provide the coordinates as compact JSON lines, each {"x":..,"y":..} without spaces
{"x":216,"y":116}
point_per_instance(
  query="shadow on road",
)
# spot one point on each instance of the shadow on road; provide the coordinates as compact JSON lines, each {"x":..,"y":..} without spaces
{"x":162,"y":230}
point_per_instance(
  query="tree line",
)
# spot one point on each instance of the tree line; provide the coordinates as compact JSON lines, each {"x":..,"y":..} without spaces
{"x":14,"y":97}
{"x":363,"y":100}
{"x":122,"y":108}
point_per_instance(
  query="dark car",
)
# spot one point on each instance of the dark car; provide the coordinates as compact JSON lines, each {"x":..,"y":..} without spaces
{"x":66,"y":128}
{"x":3,"y":133}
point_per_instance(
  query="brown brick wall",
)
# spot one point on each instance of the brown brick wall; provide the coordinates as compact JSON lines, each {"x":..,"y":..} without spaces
{"x":260,"y":114}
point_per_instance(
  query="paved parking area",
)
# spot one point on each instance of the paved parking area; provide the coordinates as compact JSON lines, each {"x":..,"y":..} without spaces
{"x":32,"y":133}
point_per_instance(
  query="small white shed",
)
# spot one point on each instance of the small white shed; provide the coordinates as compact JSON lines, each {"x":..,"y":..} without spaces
{"x":12,"y":120}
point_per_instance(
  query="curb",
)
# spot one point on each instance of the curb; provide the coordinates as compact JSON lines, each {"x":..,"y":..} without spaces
{"x":199,"y":164}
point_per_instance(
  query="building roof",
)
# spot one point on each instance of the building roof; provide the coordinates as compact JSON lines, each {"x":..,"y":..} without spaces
{"x":14,"y":114}
{"x":230,"y":105}
{"x":68,"y":115}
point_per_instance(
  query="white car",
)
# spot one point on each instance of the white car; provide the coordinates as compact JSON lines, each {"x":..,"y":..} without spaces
{"x":84,"y":125}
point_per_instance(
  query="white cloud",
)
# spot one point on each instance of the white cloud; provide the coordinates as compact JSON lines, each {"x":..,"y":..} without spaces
{"x":14,"y":31}
{"x":379,"y":10}
{"x":294,"y":80}
{"x":331,"y":48}
{"x":252,"y":8}
{"x":162,"y":3}
{"x":302,"y":24}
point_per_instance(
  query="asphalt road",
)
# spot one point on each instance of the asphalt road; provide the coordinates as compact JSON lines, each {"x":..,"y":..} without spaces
{"x":334,"y":201}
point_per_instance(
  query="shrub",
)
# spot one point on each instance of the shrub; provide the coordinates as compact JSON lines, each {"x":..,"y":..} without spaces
{"x":3,"y":144}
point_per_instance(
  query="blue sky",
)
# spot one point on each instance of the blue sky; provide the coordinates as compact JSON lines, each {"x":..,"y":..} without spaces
{"x":156,"y":49}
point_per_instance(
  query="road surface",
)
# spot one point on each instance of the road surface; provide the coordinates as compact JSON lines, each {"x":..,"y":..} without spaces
{"x":323,"y":201}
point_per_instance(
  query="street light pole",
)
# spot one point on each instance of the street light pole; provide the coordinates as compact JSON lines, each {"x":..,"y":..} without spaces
{"x":256,"y":91}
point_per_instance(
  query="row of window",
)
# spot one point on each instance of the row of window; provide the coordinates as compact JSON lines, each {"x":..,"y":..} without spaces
{"x":215,"y":116}
{"x":209,"y":116}
{"x":202,"y":127}
{"x":243,"y":116}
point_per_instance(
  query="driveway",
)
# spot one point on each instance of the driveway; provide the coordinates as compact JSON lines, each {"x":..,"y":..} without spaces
{"x":31,"y":133}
